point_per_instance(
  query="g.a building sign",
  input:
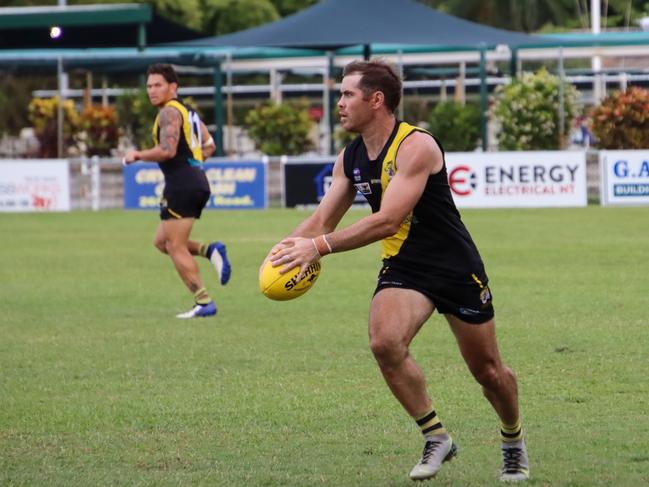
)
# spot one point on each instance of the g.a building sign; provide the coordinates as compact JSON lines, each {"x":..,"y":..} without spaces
{"x":624,"y":177}
{"x":517,"y":179}
{"x":234,"y":185}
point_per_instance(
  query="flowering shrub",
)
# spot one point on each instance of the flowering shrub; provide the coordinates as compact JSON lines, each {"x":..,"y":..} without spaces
{"x":528,"y":112}
{"x":457,"y":126}
{"x":280,"y":129}
{"x":136,"y":115}
{"x":100,"y":131}
{"x":622,"y":120}
{"x":43,"y":114}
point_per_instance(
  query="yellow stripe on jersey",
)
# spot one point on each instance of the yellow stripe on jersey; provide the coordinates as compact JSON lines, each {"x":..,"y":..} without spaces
{"x":477,"y":280}
{"x":192,"y":134}
{"x":391,"y":245}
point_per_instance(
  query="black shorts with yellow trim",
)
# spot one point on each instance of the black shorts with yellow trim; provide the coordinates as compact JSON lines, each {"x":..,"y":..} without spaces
{"x":177,"y":204}
{"x":469,"y":300}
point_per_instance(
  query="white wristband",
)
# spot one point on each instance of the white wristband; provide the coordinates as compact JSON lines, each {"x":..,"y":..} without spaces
{"x":324,"y":237}
{"x":209,"y":142}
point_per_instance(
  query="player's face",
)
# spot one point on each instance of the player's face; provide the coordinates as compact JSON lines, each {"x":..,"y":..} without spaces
{"x":159,"y":90}
{"x":354,"y":110}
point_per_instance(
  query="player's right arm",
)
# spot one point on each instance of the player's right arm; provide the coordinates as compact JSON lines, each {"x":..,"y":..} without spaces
{"x":170,"y":122}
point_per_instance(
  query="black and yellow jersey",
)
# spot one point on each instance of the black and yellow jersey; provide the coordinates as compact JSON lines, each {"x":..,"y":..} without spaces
{"x":184,"y":171}
{"x":432,"y":238}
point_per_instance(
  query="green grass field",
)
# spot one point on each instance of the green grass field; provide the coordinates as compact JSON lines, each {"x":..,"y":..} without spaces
{"x":101,"y":385}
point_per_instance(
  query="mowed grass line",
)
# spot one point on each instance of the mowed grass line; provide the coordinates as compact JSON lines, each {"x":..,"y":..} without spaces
{"x":101,"y":385}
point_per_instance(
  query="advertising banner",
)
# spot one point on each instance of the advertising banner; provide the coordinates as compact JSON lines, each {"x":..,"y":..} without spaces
{"x":235,"y":185}
{"x":307,"y":180}
{"x":34,"y":185}
{"x":517,"y":179}
{"x":624,"y":177}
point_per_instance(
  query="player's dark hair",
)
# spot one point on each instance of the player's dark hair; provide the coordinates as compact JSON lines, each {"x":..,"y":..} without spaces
{"x":377,"y":75}
{"x":165,"y":70}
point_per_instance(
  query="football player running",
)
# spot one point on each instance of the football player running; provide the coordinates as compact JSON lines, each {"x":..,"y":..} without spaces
{"x":430,"y":261}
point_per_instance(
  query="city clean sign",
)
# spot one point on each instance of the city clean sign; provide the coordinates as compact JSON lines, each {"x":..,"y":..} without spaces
{"x":517,"y":179}
{"x":235,"y":185}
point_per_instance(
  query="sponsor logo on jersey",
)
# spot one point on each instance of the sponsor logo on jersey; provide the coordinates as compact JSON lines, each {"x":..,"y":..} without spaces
{"x":363,"y":188}
{"x":389,"y":168}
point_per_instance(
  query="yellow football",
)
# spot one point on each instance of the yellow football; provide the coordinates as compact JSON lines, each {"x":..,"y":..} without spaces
{"x":282,"y":287}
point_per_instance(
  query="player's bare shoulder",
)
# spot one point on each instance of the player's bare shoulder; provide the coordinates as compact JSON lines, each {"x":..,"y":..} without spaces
{"x":169,"y":115}
{"x":421,"y":150}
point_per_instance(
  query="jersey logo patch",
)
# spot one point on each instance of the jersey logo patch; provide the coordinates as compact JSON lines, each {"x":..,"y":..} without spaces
{"x":485,"y":296}
{"x":363,"y":188}
{"x":357,"y":174}
{"x":389,"y":169}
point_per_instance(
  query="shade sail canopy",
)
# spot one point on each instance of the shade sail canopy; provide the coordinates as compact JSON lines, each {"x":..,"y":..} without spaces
{"x":333,"y":24}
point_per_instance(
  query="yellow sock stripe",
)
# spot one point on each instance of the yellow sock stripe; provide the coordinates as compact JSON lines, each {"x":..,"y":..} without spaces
{"x":511,"y":432}
{"x":430,"y":423}
{"x":511,"y":428}
{"x":202,"y":249}
{"x":201,"y":296}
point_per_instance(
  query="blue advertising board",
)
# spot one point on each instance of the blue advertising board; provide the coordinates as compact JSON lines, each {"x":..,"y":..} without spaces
{"x":235,"y":185}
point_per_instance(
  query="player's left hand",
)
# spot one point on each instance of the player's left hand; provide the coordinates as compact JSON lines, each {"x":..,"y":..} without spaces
{"x":294,"y":252}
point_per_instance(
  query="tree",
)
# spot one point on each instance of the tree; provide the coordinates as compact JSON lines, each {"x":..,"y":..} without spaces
{"x":280,"y":128}
{"x":535,"y":15}
{"x":456,"y":125}
{"x":225,"y":16}
{"x":288,"y":7}
{"x":528,"y":112}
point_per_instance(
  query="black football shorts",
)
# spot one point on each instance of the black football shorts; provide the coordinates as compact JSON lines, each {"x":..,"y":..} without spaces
{"x":469,"y":300}
{"x":178,"y":204}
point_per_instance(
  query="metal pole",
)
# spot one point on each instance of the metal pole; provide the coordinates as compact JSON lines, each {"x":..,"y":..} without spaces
{"x":513,"y":63}
{"x":483,"y":98}
{"x":401,"y":108}
{"x":331,"y":85}
{"x":596,"y":63}
{"x":562,"y":116}
{"x":141,"y":36}
{"x":218,"y":108}
{"x":326,"y":111}
{"x":59,"y":109}
{"x":229,"y":105}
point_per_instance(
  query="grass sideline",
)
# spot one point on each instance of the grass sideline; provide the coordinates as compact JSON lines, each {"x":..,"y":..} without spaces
{"x":101,"y":385}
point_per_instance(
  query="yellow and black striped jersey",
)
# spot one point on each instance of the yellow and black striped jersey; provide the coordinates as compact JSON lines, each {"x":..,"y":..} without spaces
{"x":184,"y":170}
{"x":432,"y":237}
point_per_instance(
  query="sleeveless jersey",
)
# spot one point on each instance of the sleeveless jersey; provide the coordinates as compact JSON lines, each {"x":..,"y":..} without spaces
{"x":184,"y":171}
{"x":432,"y":238}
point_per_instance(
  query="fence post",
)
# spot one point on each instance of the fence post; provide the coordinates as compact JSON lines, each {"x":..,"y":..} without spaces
{"x":95,"y":183}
